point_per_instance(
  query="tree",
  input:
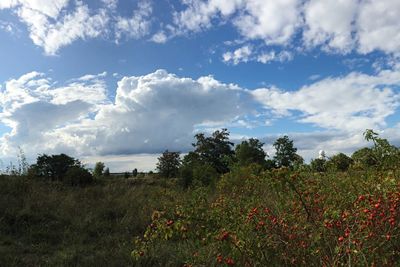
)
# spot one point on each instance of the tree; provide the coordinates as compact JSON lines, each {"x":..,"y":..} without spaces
{"x":340,"y":162}
{"x":98,"y":169}
{"x":215,"y":150}
{"x":106,"y":172}
{"x":250,"y":151}
{"x":54,"y":167}
{"x":365,"y":157}
{"x":285,"y":152}
{"x":134,"y":172}
{"x":168,"y":164}
{"x":386,"y":155}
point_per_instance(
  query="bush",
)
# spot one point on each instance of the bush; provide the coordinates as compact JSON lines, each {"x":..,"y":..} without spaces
{"x":339,"y":162}
{"x":78,"y":176}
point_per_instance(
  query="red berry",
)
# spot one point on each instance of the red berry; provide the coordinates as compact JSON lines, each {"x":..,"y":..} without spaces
{"x":341,"y":238}
{"x":229,"y":261}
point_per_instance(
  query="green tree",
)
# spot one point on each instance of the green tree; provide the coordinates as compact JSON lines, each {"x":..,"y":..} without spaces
{"x":98,"y":169}
{"x":215,"y":150}
{"x":54,"y":167}
{"x":386,"y":155}
{"x":168,"y":164}
{"x":339,"y":162}
{"x":285,"y":152}
{"x":250,"y":151}
{"x":134,"y":172}
{"x":106,"y":172}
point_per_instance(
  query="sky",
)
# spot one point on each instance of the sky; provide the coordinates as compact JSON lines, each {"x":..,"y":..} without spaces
{"x":120,"y":81}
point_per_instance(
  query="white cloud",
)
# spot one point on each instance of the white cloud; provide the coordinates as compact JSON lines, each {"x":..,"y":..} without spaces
{"x":241,"y":54}
{"x":56,"y":24}
{"x":378,"y":26}
{"x":336,"y":26}
{"x":248,"y":53}
{"x":33,"y":108}
{"x":136,"y":26}
{"x":78,"y":118}
{"x":351,"y":103}
{"x":159,"y":37}
{"x":274,"y":22}
{"x":329,"y":24}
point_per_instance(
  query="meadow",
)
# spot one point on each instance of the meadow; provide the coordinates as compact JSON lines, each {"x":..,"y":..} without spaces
{"x":233,"y":209}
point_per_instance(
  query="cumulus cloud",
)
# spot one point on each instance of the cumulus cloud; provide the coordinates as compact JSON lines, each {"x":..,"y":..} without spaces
{"x":351,"y":103}
{"x":150,"y":113}
{"x":32,"y":107}
{"x":329,"y":23}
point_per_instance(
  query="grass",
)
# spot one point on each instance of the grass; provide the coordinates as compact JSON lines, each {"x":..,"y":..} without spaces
{"x":50,"y":224}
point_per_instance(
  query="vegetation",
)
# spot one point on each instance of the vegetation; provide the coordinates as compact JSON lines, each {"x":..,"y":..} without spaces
{"x":168,"y":164}
{"x":226,"y":207}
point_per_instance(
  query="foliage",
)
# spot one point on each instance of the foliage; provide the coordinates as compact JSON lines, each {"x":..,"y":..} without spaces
{"x":285,"y":152}
{"x":215,"y":150}
{"x":281,"y":218}
{"x":134,"y":172}
{"x":54,"y":167}
{"x":98,"y":169}
{"x":168,"y":164}
{"x":78,"y":176}
{"x":339,"y":162}
{"x":194,"y":171}
{"x":384,"y":153}
{"x":318,"y":165}
{"x":364,"y":157}
{"x":250,"y":151}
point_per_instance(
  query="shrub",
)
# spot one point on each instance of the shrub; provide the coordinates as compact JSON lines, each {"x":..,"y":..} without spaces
{"x":78,"y":176}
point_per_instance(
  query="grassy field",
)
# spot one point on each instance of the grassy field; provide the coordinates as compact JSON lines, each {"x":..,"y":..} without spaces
{"x":249,"y":217}
{"x":50,"y":224}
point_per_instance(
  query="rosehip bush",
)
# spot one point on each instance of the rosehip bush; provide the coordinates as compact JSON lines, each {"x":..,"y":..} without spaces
{"x":280,"y":218}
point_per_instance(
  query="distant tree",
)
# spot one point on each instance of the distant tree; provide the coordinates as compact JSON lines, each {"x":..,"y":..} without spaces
{"x":285,"y":152}
{"x":126,"y":175}
{"x":98,"y":169}
{"x":168,"y":164}
{"x":134,"y":172}
{"x":339,"y":162}
{"x":54,"y":167}
{"x":250,"y":151}
{"x":215,"y":150}
{"x":106,"y":172}
{"x":318,"y":165}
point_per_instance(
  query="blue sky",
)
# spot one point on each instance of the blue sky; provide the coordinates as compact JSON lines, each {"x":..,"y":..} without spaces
{"x":120,"y":81}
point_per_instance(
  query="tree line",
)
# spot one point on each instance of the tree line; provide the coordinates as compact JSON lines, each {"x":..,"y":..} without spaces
{"x":215,"y":155}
